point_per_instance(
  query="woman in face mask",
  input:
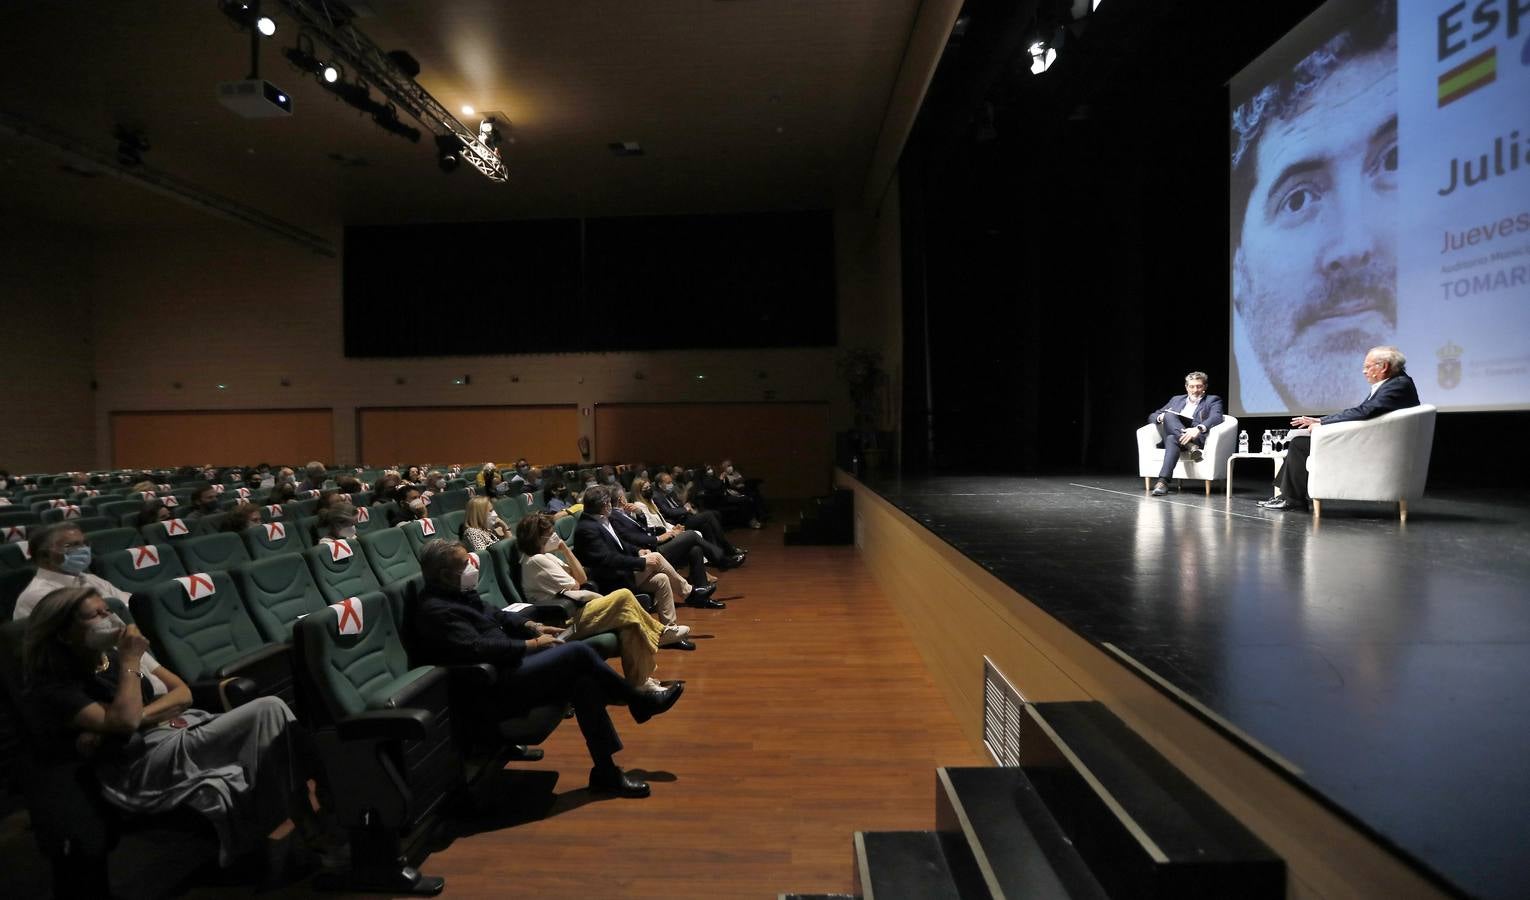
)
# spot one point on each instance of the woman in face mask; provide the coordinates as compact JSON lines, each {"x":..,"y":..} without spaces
{"x":551,"y":571}
{"x":100,"y":693}
{"x":338,"y":521}
{"x":244,"y":514}
{"x":481,"y":525}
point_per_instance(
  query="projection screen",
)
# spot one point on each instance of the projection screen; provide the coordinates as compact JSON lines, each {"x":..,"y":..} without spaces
{"x":1380,"y":195}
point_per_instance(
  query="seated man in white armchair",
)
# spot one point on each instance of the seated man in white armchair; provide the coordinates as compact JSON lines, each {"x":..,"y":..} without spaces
{"x":1183,"y":424}
{"x":1391,"y":390}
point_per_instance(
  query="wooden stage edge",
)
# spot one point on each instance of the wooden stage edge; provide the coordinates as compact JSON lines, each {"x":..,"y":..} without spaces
{"x":967,"y":614}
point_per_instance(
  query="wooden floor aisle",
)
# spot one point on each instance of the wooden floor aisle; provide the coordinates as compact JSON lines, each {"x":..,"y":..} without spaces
{"x":807,"y":715}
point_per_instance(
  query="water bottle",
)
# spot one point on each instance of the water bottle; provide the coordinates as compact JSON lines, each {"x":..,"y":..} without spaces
{"x":1243,"y":441}
{"x":1267,"y":445}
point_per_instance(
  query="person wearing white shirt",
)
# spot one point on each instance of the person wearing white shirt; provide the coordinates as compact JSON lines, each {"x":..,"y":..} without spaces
{"x":63,"y":560}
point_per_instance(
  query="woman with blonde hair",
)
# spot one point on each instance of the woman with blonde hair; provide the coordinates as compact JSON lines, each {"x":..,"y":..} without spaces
{"x":481,"y":525}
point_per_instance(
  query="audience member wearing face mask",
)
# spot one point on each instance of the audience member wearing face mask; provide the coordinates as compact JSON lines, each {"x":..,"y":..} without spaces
{"x":338,"y":521}
{"x":204,"y":503}
{"x":481,"y":524}
{"x":63,"y":561}
{"x":99,"y":692}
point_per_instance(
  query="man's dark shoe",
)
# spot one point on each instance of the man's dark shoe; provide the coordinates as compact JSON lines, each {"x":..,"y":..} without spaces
{"x":704,"y":602}
{"x":651,"y":704}
{"x":615,"y":781}
{"x":701,"y":593}
{"x":733,"y":562}
{"x":1160,"y":489}
{"x":1195,"y":454}
{"x":686,"y":644}
{"x":523,"y":753}
{"x":1279,"y":503}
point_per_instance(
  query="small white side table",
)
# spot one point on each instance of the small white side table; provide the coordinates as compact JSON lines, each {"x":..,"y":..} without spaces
{"x":1278,"y":457}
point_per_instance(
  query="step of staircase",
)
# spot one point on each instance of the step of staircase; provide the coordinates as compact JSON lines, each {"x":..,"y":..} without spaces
{"x":915,"y":865}
{"x":1144,"y":828}
{"x":1017,"y":845}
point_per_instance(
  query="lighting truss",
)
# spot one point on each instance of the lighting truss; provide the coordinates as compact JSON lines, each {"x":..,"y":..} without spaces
{"x":330,"y":23}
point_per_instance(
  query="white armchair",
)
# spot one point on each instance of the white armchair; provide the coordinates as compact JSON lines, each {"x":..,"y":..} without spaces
{"x":1221,"y":442}
{"x":1385,"y":459}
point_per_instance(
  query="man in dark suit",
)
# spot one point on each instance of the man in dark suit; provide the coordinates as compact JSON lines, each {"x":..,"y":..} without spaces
{"x":1180,"y":436}
{"x":706,"y":522}
{"x":1391,"y":390}
{"x":612,"y":564}
{"x":680,"y":548}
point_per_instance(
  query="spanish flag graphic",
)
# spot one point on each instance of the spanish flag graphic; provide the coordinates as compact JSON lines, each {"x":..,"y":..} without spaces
{"x":1479,"y":71}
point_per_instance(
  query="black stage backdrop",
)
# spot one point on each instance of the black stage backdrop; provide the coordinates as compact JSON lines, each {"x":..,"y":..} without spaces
{"x":1065,"y":241}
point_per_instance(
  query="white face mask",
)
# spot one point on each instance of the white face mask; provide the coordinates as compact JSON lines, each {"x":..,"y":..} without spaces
{"x":551,"y":544}
{"x":469,"y":579}
{"x":103,"y":633}
{"x":347,"y":532}
{"x":493,"y":519}
{"x":417,"y":505}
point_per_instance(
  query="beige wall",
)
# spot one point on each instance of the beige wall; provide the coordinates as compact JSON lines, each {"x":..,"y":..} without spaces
{"x":46,"y":405}
{"x":176,"y":313}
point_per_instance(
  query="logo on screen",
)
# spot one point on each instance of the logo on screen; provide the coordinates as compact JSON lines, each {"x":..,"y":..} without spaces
{"x":1450,"y":365}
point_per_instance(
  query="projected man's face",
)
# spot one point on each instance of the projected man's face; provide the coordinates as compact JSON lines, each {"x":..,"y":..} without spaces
{"x":1315,"y":273}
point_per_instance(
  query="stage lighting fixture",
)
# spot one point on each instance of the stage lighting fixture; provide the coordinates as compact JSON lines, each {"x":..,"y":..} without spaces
{"x":486,"y":126}
{"x":247,"y":15}
{"x":331,"y":73}
{"x":467,"y":110}
{"x":387,"y":120}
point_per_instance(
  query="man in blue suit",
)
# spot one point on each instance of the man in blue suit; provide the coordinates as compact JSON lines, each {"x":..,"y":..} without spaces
{"x":1183,"y":424}
{"x":1391,"y":390}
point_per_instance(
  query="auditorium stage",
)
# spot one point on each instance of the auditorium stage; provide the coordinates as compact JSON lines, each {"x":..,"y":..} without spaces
{"x":1380,"y":668}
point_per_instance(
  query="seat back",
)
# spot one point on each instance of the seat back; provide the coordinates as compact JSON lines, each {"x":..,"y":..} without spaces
{"x":488,"y":579}
{"x":135,"y":568}
{"x":276,"y":538}
{"x":421,"y":530}
{"x":401,"y":594}
{"x":12,"y":583}
{"x":1382,"y":459}
{"x":59,"y":513}
{"x":565,"y":527}
{"x":390,"y":555}
{"x":110,"y":540}
{"x":348,"y":671}
{"x":213,"y":552}
{"x":453,"y":523}
{"x":443,"y":502}
{"x":88,"y":524}
{"x":116,"y":509}
{"x":505,"y":560}
{"x":369,"y":520}
{"x":169,"y":531}
{"x":197,"y":622}
{"x":297,"y":509}
{"x":340,"y":570}
{"x":18,"y":517}
{"x":14,"y":556}
{"x":277,"y":591}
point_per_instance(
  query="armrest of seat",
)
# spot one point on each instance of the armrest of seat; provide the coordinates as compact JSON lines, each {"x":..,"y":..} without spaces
{"x":269,"y":662}
{"x":1147,"y":438}
{"x":473,"y":674}
{"x":410,"y":689}
{"x":386,"y":725}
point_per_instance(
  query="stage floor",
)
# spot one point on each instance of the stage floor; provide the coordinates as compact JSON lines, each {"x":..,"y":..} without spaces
{"x":1384,"y":667}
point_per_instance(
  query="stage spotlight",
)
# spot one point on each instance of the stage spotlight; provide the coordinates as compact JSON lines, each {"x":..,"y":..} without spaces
{"x":486,"y":126}
{"x":387,"y":120}
{"x":468,"y":110}
{"x":247,"y":15}
{"x":331,"y":73}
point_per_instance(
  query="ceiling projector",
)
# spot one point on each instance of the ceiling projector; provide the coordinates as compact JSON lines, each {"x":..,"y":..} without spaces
{"x":255,"y":98}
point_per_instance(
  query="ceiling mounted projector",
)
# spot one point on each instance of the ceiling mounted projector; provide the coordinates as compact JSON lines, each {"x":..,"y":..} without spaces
{"x":255,"y":98}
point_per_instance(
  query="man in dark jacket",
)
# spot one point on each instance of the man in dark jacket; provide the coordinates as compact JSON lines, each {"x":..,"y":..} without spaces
{"x":682,"y":548}
{"x":451,"y":625}
{"x":1391,"y":389}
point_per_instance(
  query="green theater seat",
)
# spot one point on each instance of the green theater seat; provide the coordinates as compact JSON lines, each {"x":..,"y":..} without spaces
{"x":277,"y":591}
{"x":276,"y":538}
{"x":340,"y":570}
{"x":111,"y":540}
{"x":135,"y":568}
{"x":213,"y":552}
{"x":390,"y":555}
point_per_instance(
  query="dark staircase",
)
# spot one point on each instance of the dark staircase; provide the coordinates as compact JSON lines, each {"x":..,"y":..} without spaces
{"x":827,"y":521}
{"x":1092,"y":811}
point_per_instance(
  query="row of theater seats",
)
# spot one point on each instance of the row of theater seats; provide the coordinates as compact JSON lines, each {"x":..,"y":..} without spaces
{"x":323,"y":626}
{"x":284,"y":531}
